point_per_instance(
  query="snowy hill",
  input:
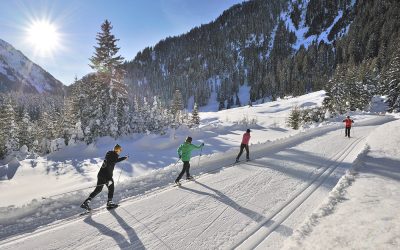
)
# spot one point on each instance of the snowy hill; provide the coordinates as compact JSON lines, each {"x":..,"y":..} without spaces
{"x":18,"y":73}
{"x":257,"y":204}
{"x":272,"y":48}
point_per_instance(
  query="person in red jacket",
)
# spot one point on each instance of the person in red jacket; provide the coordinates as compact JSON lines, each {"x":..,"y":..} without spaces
{"x":348,"y":123}
{"x":245,"y":145}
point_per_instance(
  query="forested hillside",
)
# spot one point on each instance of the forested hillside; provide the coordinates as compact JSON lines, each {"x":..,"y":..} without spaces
{"x":276,"y":47}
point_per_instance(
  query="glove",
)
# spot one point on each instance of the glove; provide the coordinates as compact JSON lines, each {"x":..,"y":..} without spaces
{"x":202,"y":144}
{"x":110,"y":182}
{"x":180,"y":156}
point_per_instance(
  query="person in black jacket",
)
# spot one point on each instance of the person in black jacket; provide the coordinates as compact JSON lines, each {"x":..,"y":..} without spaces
{"x":104,"y":177}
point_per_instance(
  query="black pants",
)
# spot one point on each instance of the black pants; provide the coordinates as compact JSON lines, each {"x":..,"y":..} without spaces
{"x":244,"y":146}
{"x":186,"y":166}
{"x":347,"y":132}
{"x":100,"y":183}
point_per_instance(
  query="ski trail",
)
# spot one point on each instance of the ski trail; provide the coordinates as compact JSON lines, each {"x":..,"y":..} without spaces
{"x":238,"y":206}
{"x":259,"y":233}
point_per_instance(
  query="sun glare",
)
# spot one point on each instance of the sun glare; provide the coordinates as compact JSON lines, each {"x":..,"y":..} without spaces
{"x":44,"y":37}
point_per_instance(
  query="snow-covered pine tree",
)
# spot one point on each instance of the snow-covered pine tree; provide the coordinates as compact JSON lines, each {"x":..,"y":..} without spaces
{"x":195,"y":121}
{"x":157,"y":113}
{"x":147,"y":123}
{"x":9,"y":128}
{"x":44,"y":133}
{"x":294,"y":118}
{"x":69,"y":119}
{"x":25,"y":131}
{"x":339,"y":93}
{"x":177,"y":107}
{"x":392,"y":83}
{"x":112,"y":91}
{"x":105,"y":59}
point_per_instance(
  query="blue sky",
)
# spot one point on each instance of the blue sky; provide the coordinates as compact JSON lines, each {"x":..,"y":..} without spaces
{"x":137,"y":23}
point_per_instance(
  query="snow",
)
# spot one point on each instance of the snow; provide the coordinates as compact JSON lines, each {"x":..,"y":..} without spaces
{"x":301,"y":31}
{"x":257,"y":204}
{"x":324,"y":35}
{"x":271,"y":41}
{"x":361,"y":211}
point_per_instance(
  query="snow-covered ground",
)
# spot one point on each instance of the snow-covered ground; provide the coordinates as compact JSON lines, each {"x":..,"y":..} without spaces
{"x":257,"y":204}
{"x":362,"y":210}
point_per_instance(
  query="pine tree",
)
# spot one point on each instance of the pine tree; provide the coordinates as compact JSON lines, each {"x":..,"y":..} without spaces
{"x":392,"y":83}
{"x":9,"y":129}
{"x":69,"y":119}
{"x":177,"y":107}
{"x":339,"y":94}
{"x":195,"y":121}
{"x":111,"y":94}
{"x":294,"y":118}
{"x":105,"y":59}
{"x":25,"y":132}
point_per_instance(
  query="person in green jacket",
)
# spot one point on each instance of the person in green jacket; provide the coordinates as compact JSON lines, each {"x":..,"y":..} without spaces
{"x":184,"y":153}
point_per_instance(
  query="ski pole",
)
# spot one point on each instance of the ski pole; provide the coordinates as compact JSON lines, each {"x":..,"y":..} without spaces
{"x":51,"y":196}
{"x":120,"y":172}
{"x":176,"y":162}
{"x":201,"y":150}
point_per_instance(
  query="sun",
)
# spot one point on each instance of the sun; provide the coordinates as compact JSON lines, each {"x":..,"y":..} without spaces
{"x":44,"y":37}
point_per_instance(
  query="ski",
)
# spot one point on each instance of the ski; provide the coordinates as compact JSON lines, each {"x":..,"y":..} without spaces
{"x":237,"y":162}
{"x":86,"y":212}
{"x":92,"y":211}
{"x":112,"y":207}
{"x":186,"y":181}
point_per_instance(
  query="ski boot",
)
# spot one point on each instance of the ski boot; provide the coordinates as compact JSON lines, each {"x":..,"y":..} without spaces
{"x":85,"y":205}
{"x":190,"y":178}
{"x":111,"y":205}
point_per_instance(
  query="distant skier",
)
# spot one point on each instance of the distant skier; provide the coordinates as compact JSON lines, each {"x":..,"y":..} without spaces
{"x":184,"y":153}
{"x":104,"y":177}
{"x":245,"y":145}
{"x":348,"y":123}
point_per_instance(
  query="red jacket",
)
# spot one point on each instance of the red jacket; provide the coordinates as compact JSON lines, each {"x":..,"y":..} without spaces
{"x":348,"y":122}
{"x":246,"y":138}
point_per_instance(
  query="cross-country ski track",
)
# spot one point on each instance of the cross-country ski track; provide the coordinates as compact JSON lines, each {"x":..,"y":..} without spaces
{"x":249,"y":205}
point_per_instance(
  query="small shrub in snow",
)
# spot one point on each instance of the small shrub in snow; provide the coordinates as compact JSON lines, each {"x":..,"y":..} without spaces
{"x":294,"y":118}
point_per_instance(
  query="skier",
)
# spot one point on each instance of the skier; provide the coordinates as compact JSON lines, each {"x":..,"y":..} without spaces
{"x":244,"y":145}
{"x":184,"y":153}
{"x":104,"y":177}
{"x":348,"y":123}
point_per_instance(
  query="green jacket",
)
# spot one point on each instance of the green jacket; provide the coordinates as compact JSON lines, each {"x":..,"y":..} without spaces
{"x":185,"y":150}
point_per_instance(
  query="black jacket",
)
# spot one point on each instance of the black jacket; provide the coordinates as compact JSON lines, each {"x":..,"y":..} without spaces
{"x":106,"y":170}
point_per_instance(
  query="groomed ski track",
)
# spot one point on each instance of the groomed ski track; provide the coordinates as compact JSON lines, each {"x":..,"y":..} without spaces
{"x":250,"y":205}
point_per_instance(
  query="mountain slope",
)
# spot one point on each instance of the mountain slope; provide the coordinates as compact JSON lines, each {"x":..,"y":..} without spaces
{"x":276,"y":47}
{"x":19,"y":74}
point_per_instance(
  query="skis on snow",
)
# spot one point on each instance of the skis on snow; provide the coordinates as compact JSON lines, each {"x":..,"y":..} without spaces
{"x":90,"y":211}
{"x":178,"y":184}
